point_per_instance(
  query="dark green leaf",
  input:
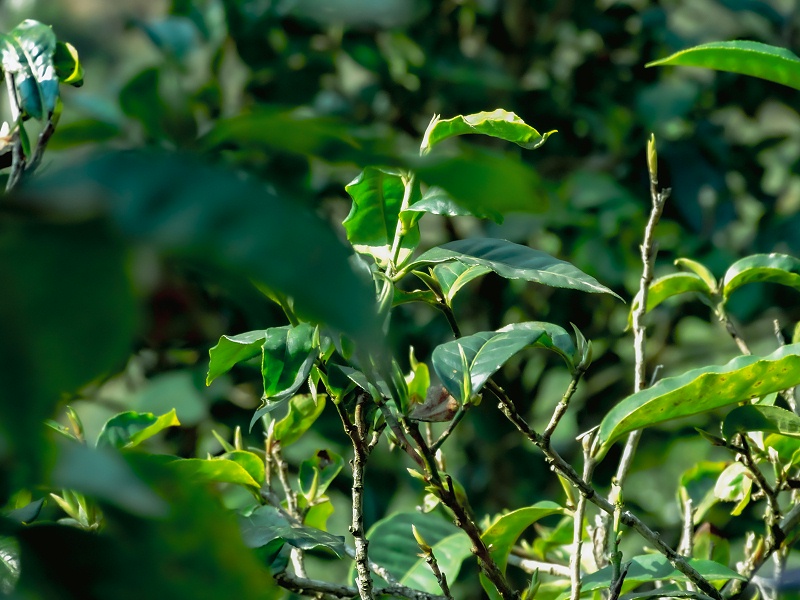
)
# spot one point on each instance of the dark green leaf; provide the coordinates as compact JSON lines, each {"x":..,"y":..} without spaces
{"x":452,"y":276}
{"x":747,"y":58}
{"x":67,"y":64}
{"x":655,"y":567}
{"x":504,"y":531}
{"x":497,"y":123}
{"x":304,"y":409}
{"x":182,"y":205}
{"x":130,"y":429}
{"x":27,"y":513}
{"x":487,"y":351}
{"x":762,"y":268}
{"x":266,"y":524}
{"x":511,"y":261}
{"x":393,"y":546}
{"x":377,"y":196}
{"x":233,"y":349}
{"x":770,"y":419}
{"x":701,"y":390}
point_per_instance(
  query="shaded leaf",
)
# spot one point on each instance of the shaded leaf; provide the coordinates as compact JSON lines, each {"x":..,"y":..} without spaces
{"x":318,"y":472}
{"x":377,"y":196}
{"x":392,"y":545}
{"x":452,"y":276}
{"x":464,"y":365}
{"x":27,"y":513}
{"x":497,"y":123}
{"x":265,"y":524}
{"x":304,"y":409}
{"x":182,"y":205}
{"x":231,"y":350}
{"x":747,"y":58}
{"x":771,"y":419}
{"x":511,"y":261}
{"x":701,"y":390}
{"x":503,"y":533}
{"x":131,"y":428}
{"x":762,"y":268}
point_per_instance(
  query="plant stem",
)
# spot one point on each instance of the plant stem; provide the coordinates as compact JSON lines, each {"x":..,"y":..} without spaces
{"x":563,"y":405}
{"x":17,"y":155}
{"x":580,"y":510}
{"x":530,"y":565}
{"x":308,"y":587}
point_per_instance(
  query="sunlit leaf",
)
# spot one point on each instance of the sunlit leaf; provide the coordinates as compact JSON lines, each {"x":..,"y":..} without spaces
{"x":377,"y":196}
{"x":437,"y":201}
{"x":304,"y":409}
{"x":735,"y":484}
{"x":9,"y":564}
{"x":512,"y":261}
{"x":497,"y":123}
{"x":233,"y":349}
{"x":762,"y":268}
{"x":67,"y":64}
{"x":770,"y":419}
{"x":131,"y":428}
{"x":453,"y":276}
{"x":698,"y":269}
{"x":212,"y":470}
{"x":668,"y":286}
{"x":27,"y":52}
{"x":393,"y":546}
{"x":747,"y":58}
{"x":249,"y":461}
{"x":701,"y":390}
{"x":487,"y":351}
{"x":503,"y":533}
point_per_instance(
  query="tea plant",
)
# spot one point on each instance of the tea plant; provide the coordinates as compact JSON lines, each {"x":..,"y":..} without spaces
{"x":332,"y":360}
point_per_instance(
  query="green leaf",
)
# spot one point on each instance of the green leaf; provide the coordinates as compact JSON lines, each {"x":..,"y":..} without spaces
{"x":436,"y":201}
{"x":771,"y":419}
{"x":266,"y":523}
{"x":231,"y":350}
{"x":699,"y":269}
{"x":701,"y":390}
{"x":288,"y":355}
{"x":668,"y":286}
{"x":654,"y":567}
{"x":452,"y":276}
{"x":67,"y":64}
{"x":318,"y":473}
{"x":392,"y":545}
{"x":9,"y":564}
{"x":181,"y":205}
{"x":734,"y":485}
{"x":511,"y":261}
{"x":747,"y":58}
{"x":497,"y":123}
{"x":304,"y":409}
{"x":27,"y":52}
{"x":377,"y":196}
{"x":485,"y":352}
{"x":212,"y":470}
{"x":710,"y":546}
{"x":504,"y":531}
{"x":699,"y":481}
{"x":762,"y":268}
{"x":131,"y":428}
{"x":249,"y":461}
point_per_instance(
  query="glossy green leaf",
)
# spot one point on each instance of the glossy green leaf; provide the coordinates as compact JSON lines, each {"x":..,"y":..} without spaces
{"x":233,"y":349}
{"x":770,"y":419}
{"x":377,"y":196}
{"x":788,"y":449}
{"x":304,"y":409}
{"x":181,"y":205}
{"x":436,"y":201}
{"x":668,"y":286}
{"x":482,"y":354}
{"x":212,"y":470}
{"x":747,"y":58}
{"x":9,"y":564}
{"x":288,"y":354}
{"x":249,"y":461}
{"x":266,"y":523}
{"x":131,"y":428}
{"x":735,"y":484}
{"x":318,"y":472}
{"x":27,"y":52}
{"x":503,"y":533}
{"x":701,"y":390}
{"x":392,"y":545}
{"x":698,"y":269}
{"x":512,"y":261}
{"x":452,"y":276}
{"x":762,"y":268}
{"x":67,"y":64}
{"x":497,"y":123}
{"x":654,"y":567}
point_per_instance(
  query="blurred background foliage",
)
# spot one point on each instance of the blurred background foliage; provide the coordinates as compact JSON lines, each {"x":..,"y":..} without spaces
{"x":226,"y":79}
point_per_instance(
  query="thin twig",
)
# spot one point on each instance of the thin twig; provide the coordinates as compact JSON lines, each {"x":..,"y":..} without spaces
{"x":580,"y":510}
{"x":730,"y":327}
{"x":276,"y":458}
{"x":462,"y":410}
{"x":774,"y":535}
{"x":308,"y":587}
{"x":530,"y":565}
{"x":17,"y":154}
{"x":563,"y":404}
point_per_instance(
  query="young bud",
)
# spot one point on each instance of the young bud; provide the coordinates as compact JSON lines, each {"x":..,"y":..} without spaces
{"x":652,"y":157}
